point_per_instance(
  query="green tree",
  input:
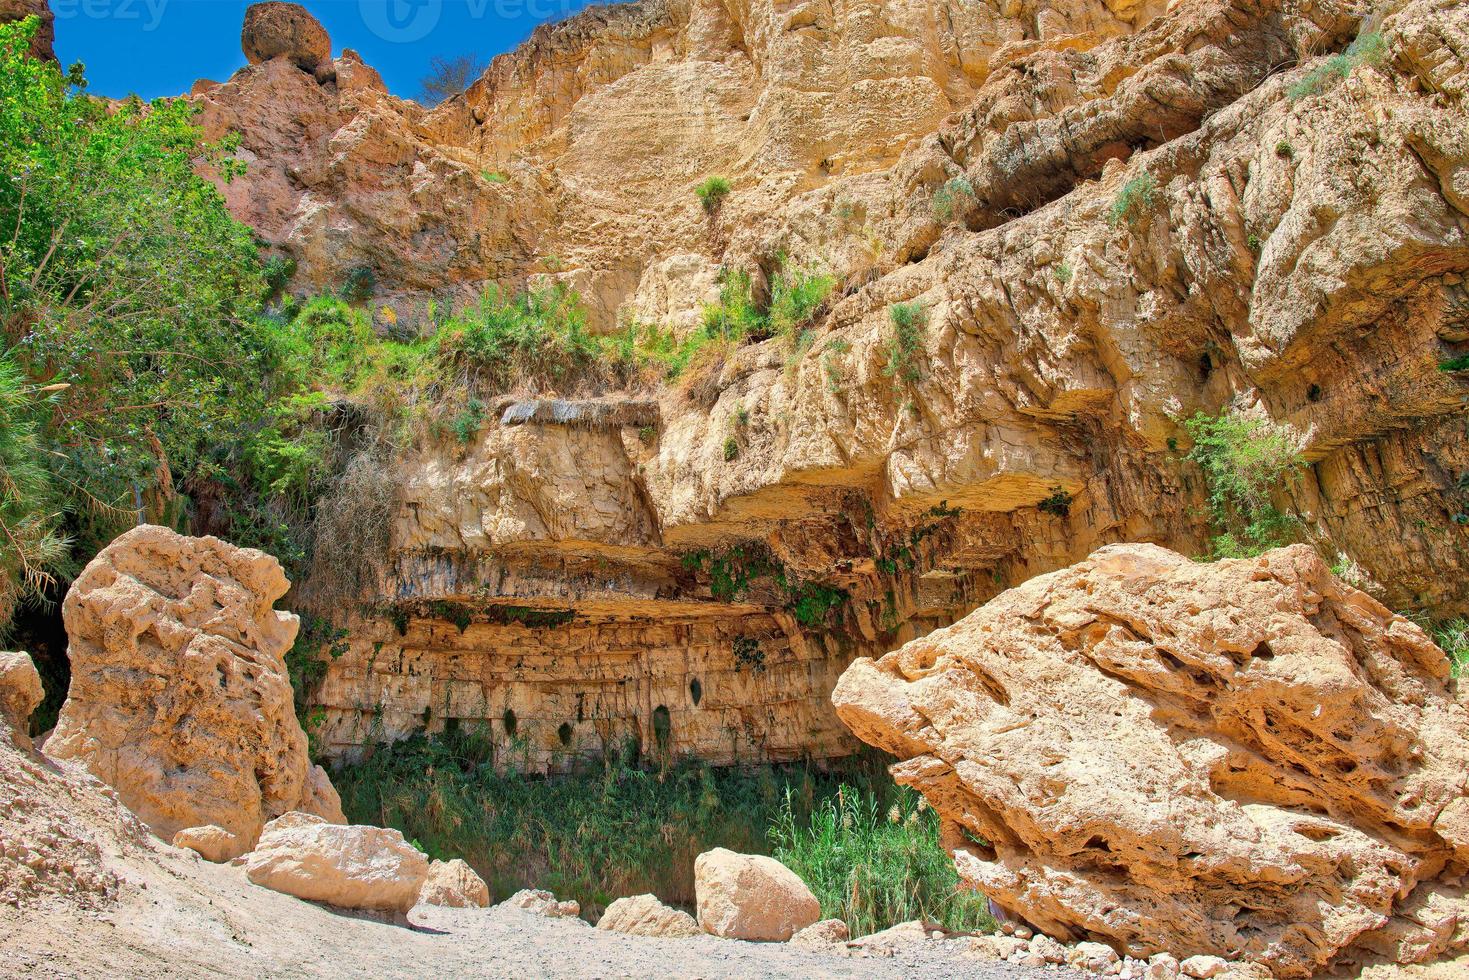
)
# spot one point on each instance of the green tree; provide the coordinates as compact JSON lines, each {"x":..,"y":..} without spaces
{"x":31,"y":549}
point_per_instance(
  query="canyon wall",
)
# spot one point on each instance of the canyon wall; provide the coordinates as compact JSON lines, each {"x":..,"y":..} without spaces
{"x":588,"y":574}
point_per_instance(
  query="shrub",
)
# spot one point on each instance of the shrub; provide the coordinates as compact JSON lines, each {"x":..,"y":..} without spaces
{"x":1460,"y":363}
{"x":796,"y":295}
{"x":31,"y":547}
{"x":493,"y":177}
{"x":872,"y":862}
{"x":1062,"y":272}
{"x":712,"y":192}
{"x":1134,"y":201}
{"x":1244,"y":458}
{"x":1253,"y":243}
{"x":1058,"y":504}
{"x":359,"y":284}
{"x":731,"y":449}
{"x":467,"y":423}
{"x":1367,"y":49}
{"x":277,"y":273}
{"x":1284,"y":149}
{"x":537,"y":338}
{"x":736,"y":315}
{"x":953,"y":198}
{"x":905,"y":346}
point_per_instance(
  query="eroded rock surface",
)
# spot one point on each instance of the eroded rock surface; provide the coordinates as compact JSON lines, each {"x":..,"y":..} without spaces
{"x":214,"y":844}
{"x":751,"y":896}
{"x":287,"y":31}
{"x":1248,"y":759}
{"x":20,"y":694}
{"x":179,"y":694}
{"x":540,"y":902}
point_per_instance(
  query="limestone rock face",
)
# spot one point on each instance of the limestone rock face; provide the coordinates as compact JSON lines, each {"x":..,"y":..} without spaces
{"x":1248,"y":759}
{"x":45,"y":37}
{"x":561,"y":581}
{"x":454,"y":884}
{"x":644,"y":915}
{"x":179,"y":695}
{"x":751,"y":896}
{"x":213,"y":844}
{"x":20,"y":694}
{"x":285,"y":30}
{"x":350,"y":867}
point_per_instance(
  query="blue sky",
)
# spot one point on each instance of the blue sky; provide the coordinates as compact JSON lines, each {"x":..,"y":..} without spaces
{"x":159,"y":47}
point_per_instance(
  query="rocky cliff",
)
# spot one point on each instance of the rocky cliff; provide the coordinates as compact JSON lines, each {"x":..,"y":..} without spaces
{"x":1113,"y":215}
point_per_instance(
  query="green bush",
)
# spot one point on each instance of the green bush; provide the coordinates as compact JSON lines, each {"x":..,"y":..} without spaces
{"x":609,"y":831}
{"x":32,"y":549}
{"x":712,"y":192}
{"x":905,"y":346}
{"x":538,"y":337}
{"x":1134,"y":201}
{"x":731,"y":449}
{"x":1460,"y":363}
{"x":1244,"y":459}
{"x":875,"y":860}
{"x":736,"y":315}
{"x":466,"y":424}
{"x":796,"y":295}
{"x":953,"y":198}
{"x":359,"y":284}
{"x":277,"y":273}
{"x":1062,"y":272}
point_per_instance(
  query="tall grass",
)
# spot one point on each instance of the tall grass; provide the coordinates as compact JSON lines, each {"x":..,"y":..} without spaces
{"x":874,"y":860}
{"x":1453,"y":638}
{"x":613,"y":831}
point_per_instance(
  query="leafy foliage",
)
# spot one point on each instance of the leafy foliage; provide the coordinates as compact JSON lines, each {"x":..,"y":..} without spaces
{"x":1453,"y":638}
{"x":31,"y":547}
{"x":874,"y":859}
{"x":1244,"y":459}
{"x":1368,"y":49}
{"x":1460,"y":363}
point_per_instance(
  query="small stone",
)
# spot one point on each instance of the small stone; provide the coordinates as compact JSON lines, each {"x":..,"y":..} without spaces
{"x":1023,"y":932}
{"x":1162,"y":966}
{"x":540,"y":902}
{"x":1204,"y":967}
{"x":1048,"y":949}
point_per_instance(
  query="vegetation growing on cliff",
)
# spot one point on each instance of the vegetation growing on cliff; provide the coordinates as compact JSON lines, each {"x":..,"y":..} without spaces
{"x":1244,"y":459}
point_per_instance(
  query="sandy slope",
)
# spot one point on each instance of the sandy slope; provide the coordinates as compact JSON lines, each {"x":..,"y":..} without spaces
{"x":192,"y":919}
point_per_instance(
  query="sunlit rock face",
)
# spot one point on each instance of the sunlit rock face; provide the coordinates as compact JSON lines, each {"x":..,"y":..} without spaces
{"x":1298,"y":251}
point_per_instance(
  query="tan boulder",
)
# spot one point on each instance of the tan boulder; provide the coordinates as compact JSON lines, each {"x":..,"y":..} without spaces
{"x":539,"y":902}
{"x":827,"y":932}
{"x":454,"y":884}
{"x":750,"y":896}
{"x":212,"y":843}
{"x":20,"y":694}
{"x":1144,"y":741}
{"x":644,"y":915}
{"x":285,"y":30}
{"x":351,"y":867}
{"x":179,"y":694}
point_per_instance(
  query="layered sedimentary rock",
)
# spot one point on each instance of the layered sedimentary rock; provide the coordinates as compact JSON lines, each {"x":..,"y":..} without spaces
{"x":587,"y":573}
{"x":179,"y":696}
{"x":1248,"y":759}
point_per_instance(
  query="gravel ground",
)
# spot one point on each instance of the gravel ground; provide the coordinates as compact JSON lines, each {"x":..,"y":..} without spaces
{"x":186,"y":918}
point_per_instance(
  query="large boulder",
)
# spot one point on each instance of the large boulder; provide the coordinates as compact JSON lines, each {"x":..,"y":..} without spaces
{"x":285,"y":30}
{"x":750,"y":896}
{"x":454,"y":884}
{"x":1248,"y":759}
{"x":644,"y":915}
{"x":179,"y":694}
{"x":350,"y":867}
{"x":45,"y":37}
{"x":20,"y":694}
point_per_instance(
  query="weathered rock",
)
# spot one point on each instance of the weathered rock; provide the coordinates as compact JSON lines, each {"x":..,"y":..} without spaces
{"x":45,"y":36}
{"x":903,"y":934}
{"x":827,"y":932}
{"x":1144,"y":740}
{"x":351,"y":867}
{"x":454,"y":884}
{"x":750,"y":896}
{"x":20,"y":694}
{"x":539,"y":902}
{"x":285,"y":30}
{"x":644,"y":915}
{"x":213,"y":844}
{"x":179,"y":695}
{"x":1204,"y":967}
